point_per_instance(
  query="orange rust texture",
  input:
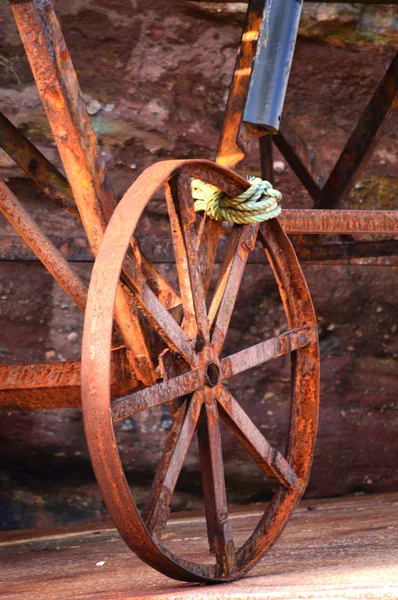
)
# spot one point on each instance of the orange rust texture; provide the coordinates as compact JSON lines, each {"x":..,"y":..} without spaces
{"x":234,"y":144}
{"x":42,"y":386}
{"x":203,"y":401}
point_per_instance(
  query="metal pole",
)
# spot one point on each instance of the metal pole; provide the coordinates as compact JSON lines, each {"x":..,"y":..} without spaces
{"x":272,"y":63}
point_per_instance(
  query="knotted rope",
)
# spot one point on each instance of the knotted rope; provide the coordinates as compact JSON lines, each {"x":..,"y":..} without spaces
{"x":258,"y":203}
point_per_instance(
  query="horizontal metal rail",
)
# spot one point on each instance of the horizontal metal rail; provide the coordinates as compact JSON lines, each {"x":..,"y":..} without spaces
{"x":371,"y":222}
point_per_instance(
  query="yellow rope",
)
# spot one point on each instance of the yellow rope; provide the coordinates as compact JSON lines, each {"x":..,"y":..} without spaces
{"x":258,"y":203}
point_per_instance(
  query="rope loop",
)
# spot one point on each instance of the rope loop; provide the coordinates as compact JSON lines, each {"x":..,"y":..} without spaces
{"x":258,"y":203}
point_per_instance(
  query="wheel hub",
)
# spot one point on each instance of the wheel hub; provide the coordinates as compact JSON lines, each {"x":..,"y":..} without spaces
{"x":212,"y":373}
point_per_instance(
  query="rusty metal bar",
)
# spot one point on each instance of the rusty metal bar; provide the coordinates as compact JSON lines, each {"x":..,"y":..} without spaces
{"x":223,"y":302}
{"x":42,"y":246}
{"x":36,"y":166}
{"x":233,"y":142}
{"x":219,"y":531}
{"x":340,"y":221}
{"x":43,"y":386}
{"x":182,"y":221}
{"x":40,"y":386}
{"x":268,"y":458}
{"x":301,"y":160}
{"x":266,"y":158}
{"x":297,"y":165}
{"x":363,"y":140}
{"x":66,"y":111}
{"x":160,"y":393}
{"x":157,"y":506}
{"x":77,"y":145}
{"x":265,"y":351}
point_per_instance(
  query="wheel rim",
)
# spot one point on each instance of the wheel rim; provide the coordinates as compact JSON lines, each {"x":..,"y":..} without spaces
{"x":199,"y":341}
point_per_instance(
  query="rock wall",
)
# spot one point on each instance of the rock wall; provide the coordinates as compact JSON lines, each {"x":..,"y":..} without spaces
{"x":155,"y":77}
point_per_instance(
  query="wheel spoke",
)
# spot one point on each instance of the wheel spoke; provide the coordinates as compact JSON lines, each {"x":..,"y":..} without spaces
{"x":160,"y":286}
{"x":232,"y":247}
{"x":155,"y":312}
{"x":268,"y":459}
{"x":265,"y":351}
{"x":182,"y":220}
{"x":180,"y":252}
{"x":223,"y":303}
{"x":126,"y":312}
{"x":157,"y":507}
{"x":130,"y":405}
{"x":166,"y":326}
{"x":36,"y":165}
{"x":207,"y":248}
{"x":219,"y":529}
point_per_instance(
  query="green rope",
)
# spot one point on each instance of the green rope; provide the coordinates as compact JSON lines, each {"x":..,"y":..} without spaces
{"x":258,"y":203}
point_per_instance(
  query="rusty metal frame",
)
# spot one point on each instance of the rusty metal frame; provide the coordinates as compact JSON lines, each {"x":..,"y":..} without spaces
{"x":120,"y":373}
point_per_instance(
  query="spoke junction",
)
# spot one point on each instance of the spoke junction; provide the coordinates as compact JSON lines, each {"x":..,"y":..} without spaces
{"x":186,"y":383}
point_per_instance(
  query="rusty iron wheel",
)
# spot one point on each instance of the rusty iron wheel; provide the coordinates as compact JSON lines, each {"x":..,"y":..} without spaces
{"x":194,"y":373}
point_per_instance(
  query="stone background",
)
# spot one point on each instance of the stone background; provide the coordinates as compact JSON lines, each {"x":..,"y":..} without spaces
{"x":155,"y":76}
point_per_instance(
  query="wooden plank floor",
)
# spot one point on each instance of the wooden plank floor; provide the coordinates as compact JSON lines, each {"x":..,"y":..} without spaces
{"x":339,"y":548}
